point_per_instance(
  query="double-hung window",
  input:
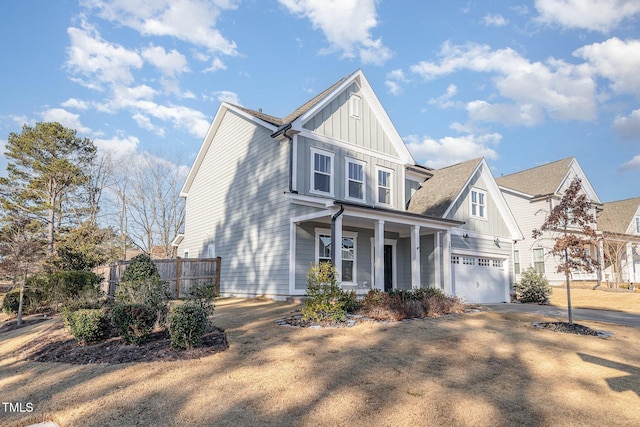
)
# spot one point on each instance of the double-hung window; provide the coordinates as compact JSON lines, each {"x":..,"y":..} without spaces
{"x":638,"y":224}
{"x":538,"y":260}
{"x":384,"y":186}
{"x":516,"y":262}
{"x":321,"y":172}
{"x":355,"y":179}
{"x":478,"y":204}
{"x":323,"y":253}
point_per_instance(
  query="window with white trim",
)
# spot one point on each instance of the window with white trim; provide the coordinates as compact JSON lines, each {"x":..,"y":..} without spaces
{"x":516,"y":262}
{"x":323,"y":252}
{"x":355,"y":179}
{"x":467,"y":260}
{"x":321,"y":172}
{"x":384,"y":186}
{"x":211,"y":250}
{"x":185,"y":254}
{"x":355,"y":105}
{"x":478,"y":203}
{"x":484,"y":262}
{"x":538,"y":260}
{"x":455,"y":259}
{"x":638,"y":224}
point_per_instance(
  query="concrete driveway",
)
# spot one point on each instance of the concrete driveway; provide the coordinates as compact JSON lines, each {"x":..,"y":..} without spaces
{"x":617,"y":317}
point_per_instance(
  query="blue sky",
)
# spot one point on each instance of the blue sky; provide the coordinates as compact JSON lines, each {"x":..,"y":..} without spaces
{"x":520,"y":83}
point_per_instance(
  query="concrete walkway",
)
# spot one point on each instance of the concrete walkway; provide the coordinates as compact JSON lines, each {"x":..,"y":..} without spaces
{"x":617,"y":317}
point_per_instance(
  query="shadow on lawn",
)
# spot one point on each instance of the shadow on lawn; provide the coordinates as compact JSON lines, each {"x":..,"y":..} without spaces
{"x":622,"y":383}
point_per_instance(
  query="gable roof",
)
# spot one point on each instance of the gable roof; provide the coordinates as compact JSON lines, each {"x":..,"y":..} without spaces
{"x":548,"y":179}
{"x":617,"y":216}
{"x":438,"y":193}
{"x":540,"y":180}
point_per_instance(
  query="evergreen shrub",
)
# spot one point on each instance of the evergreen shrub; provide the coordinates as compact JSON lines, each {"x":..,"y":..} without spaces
{"x":187,"y":325}
{"x":134,"y":322}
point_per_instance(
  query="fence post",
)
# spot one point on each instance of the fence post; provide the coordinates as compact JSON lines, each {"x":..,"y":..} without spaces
{"x":178,"y":274}
{"x":218,"y":263}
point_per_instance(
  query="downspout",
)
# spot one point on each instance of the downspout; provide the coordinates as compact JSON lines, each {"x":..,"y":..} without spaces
{"x":333,"y":234}
{"x":283,"y":131}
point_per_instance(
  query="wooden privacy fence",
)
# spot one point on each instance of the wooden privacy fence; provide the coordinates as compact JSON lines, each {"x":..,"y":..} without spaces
{"x":181,"y":273}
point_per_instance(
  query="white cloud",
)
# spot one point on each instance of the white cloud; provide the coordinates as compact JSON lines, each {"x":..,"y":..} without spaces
{"x":119,"y":148}
{"x":450,"y":150}
{"x":628,"y":127}
{"x":494,"y":20}
{"x":633,"y":164}
{"x":169,"y":63}
{"x":563,"y":91}
{"x":520,"y":9}
{"x":75,"y":103}
{"x":227,"y":96}
{"x":394,"y":81}
{"x":346,"y":24}
{"x":97,"y":61}
{"x":192,"y":21}
{"x":616,"y":60}
{"x":66,"y":119}
{"x":145,"y":123}
{"x":444,"y":101}
{"x":508,"y":114}
{"x":593,"y":15}
{"x":216,"y":64}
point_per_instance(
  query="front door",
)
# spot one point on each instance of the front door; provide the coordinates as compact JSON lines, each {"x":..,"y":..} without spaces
{"x":388,"y":267}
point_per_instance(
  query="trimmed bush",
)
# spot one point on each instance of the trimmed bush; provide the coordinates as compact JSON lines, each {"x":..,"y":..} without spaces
{"x":405,"y":304}
{"x":134,"y":322}
{"x":141,"y":267}
{"x":203,"y":295}
{"x":324,"y":299}
{"x":62,"y":287}
{"x":187,"y":325}
{"x":533,"y":287}
{"x":87,"y":325}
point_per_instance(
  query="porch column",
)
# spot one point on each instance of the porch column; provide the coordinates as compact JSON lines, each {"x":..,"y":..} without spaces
{"x":415,"y":256}
{"x":630,"y":262}
{"x":378,"y":247}
{"x":446,"y":262}
{"x":293,"y":227}
{"x":600,"y":271}
{"x":338,"y":249}
{"x":438,"y":260}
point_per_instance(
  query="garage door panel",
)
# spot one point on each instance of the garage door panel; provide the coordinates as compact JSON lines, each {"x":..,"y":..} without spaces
{"x":479,"y":279}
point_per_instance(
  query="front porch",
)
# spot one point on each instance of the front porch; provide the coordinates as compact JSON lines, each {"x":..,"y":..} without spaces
{"x":380,"y":248}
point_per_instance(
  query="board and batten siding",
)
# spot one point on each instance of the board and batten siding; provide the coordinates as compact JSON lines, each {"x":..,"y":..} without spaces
{"x":236,"y":201}
{"x":494,"y":223}
{"x":335,"y":121}
{"x":340,"y":155}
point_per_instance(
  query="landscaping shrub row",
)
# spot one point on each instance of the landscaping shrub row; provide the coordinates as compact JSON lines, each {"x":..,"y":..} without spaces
{"x":326,"y":302}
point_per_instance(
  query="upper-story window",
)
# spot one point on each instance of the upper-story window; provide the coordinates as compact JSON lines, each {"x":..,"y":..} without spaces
{"x":638,"y":224}
{"x":478,"y":203}
{"x":321,"y":172}
{"x":385,"y":178}
{"x":355,"y":179}
{"x":355,"y":105}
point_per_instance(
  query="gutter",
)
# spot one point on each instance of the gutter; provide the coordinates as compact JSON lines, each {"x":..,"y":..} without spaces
{"x":334,"y":217}
{"x":283,"y":131}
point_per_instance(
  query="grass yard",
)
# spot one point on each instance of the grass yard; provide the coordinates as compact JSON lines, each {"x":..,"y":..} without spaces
{"x":472,"y":369}
{"x":597,"y":299}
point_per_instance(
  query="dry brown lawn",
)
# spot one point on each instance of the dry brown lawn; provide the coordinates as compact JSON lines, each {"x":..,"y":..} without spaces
{"x":599,"y":299}
{"x":472,"y":369}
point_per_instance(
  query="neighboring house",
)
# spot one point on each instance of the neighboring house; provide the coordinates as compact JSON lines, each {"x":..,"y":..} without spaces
{"x":619,"y":223}
{"x":271,"y":196}
{"x":531,"y":195}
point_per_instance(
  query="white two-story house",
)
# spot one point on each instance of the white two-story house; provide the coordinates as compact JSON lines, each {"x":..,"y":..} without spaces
{"x":271,"y":196}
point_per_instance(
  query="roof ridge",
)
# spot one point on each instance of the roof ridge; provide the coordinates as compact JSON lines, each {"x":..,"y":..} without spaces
{"x":539,"y":166}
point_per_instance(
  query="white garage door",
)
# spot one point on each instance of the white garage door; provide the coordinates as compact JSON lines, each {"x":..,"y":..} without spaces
{"x":479,"y":279}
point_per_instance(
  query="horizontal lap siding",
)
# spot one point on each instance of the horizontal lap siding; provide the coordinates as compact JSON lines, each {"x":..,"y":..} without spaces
{"x":237,"y":202}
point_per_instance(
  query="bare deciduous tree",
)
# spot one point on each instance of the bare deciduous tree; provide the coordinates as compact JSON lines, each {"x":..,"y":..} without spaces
{"x":570,"y":222}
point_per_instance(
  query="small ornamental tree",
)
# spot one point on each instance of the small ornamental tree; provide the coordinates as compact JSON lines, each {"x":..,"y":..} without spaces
{"x":569,"y":222}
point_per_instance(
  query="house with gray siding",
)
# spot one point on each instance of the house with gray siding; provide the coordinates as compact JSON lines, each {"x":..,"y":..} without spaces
{"x":272,"y":196}
{"x":531,"y":195}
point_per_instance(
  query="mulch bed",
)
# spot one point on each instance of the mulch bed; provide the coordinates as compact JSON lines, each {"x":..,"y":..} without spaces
{"x":570,"y":328}
{"x":55,"y":344}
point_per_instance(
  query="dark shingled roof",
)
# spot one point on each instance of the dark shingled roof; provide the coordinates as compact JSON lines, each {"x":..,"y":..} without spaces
{"x":616,"y":216}
{"x":276,"y":121}
{"x":435,"y":195}
{"x":538,"y":181}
